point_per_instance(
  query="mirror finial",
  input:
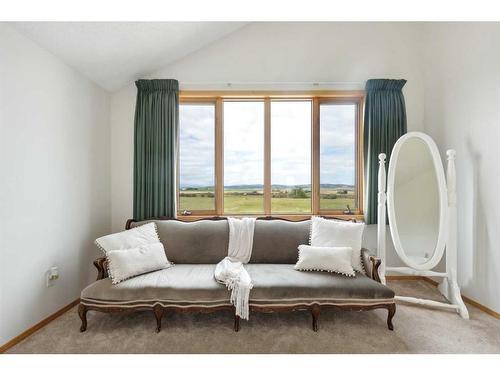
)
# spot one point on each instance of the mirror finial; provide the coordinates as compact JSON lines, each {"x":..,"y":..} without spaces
{"x":381,"y":157}
{"x":451,"y":154}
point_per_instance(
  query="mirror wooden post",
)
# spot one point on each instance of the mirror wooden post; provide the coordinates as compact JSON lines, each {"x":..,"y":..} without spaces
{"x":381,"y":215}
{"x":421,"y":205}
{"x":449,"y":285}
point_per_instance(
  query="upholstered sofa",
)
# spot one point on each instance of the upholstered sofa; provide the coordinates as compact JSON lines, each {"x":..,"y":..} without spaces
{"x":196,"y":247}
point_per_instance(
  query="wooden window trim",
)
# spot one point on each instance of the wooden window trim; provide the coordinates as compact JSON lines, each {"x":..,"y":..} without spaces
{"x":267,"y":157}
{"x":317,"y":98}
{"x":289,"y":215}
{"x":179,"y":212}
{"x":359,"y":183}
{"x":219,"y":158}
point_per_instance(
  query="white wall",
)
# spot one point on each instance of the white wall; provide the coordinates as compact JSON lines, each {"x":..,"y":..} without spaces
{"x":62,"y":187}
{"x":58,"y":173}
{"x":462,"y":111}
{"x":278,"y":52}
{"x":55,"y":181}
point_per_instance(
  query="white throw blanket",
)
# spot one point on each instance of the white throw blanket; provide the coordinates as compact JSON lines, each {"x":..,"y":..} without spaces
{"x":230,"y":270}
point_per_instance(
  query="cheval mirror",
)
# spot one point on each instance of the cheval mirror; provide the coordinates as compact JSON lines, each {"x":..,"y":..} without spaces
{"x":421,"y":205}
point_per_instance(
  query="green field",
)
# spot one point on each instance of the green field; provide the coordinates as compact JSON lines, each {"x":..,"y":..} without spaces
{"x":250,"y":201}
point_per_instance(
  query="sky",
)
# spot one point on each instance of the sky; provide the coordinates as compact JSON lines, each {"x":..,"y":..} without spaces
{"x":244,"y":143}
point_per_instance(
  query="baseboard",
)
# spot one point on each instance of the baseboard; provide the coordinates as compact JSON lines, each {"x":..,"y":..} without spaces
{"x":403,"y":277}
{"x":37,"y":326}
{"x":466,"y":299}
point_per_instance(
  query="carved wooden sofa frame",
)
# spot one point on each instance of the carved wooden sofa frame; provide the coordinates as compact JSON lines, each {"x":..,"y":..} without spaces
{"x":315,"y":309}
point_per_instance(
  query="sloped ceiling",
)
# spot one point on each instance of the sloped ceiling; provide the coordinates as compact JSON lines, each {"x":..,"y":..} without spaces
{"x":112,"y":54}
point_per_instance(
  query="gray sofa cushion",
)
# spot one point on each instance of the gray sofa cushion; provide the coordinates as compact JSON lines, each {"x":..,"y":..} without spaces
{"x":273,"y":284}
{"x":283,"y":282}
{"x":206,"y":241}
{"x":198,"y":242}
{"x":277,"y":241}
{"x":181,"y":283}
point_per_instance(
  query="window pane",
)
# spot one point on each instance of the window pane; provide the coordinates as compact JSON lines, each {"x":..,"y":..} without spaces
{"x":291,"y":156}
{"x":197,"y":157}
{"x":337,"y":156}
{"x":243,"y":157}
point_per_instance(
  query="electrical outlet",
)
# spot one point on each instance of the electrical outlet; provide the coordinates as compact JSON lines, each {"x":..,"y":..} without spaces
{"x":51,"y":276}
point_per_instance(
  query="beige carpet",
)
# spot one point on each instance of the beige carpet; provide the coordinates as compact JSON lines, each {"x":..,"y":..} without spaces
{"x":417,"y":330}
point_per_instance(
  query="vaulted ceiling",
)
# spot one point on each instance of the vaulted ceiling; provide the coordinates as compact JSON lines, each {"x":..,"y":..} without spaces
{"x":112,"y":54}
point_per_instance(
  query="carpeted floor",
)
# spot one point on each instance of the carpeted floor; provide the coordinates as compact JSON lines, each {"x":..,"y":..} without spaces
{"x":417,"y":330}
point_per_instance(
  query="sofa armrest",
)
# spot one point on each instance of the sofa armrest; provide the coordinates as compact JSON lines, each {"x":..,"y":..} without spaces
{"x":371,"y":264}
{"x":102,"y":268}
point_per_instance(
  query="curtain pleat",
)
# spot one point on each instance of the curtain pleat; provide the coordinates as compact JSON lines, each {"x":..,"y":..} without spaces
{"x":155,"y":148}
{"x":385,"y":122}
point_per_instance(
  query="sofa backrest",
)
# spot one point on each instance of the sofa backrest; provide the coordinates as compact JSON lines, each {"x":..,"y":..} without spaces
{"x":206,"y":241}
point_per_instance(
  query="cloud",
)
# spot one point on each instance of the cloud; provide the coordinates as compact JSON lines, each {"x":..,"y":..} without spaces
{"x":244,"y":143}
{"x":197,"y":145}
{"x":337,"y":140}
{"x":291,"y":142}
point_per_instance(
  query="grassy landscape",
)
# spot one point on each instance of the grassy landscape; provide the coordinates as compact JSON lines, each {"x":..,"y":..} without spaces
{"x":285,"y":199}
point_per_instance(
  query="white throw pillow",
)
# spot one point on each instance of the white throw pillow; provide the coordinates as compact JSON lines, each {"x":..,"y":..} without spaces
{"x":127,"y":263}
{"x":334,"y":233}
{"x":133,"y":252}
{"x":331,"y":259}
{"x":143,"y":235}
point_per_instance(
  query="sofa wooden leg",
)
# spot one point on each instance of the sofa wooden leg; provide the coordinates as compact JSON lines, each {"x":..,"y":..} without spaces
{"x":315,"y":310}
{"x":82,"y":313}
{"x":158,"y":311}
{"x":391,"y":311}
{"x":236,"y":323}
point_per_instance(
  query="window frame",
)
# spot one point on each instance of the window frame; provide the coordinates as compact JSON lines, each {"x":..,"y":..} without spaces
{"x":290,"y":214}
{"x":179,"y":211}
{"x":317,"y":98}
{"x":266,"y":122}
{"x":358,"y":153}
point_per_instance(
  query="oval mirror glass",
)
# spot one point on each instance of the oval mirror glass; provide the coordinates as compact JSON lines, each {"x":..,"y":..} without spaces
{"x":417,"y":201}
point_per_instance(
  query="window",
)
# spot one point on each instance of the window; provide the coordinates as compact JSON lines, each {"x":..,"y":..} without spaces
{"x":270,"y":153}
{"x":244,"y":157}
{"x":337,"y":156}
{"x":291,"y":156}
{"x":197,"y":158}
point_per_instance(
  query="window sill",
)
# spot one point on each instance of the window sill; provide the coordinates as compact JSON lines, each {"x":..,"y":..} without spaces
{"x":289,"y":217}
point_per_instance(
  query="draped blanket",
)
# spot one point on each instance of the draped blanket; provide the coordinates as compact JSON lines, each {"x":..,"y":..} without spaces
{"x":230,"y":271}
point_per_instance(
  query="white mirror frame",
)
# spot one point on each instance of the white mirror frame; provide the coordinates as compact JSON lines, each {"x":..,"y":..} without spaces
{"x":447,"y":238}
{"x":443,"y":202}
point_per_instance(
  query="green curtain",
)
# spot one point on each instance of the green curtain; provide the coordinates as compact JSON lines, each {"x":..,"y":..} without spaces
{"x":385,"y":122}
{"x":155,"y":148}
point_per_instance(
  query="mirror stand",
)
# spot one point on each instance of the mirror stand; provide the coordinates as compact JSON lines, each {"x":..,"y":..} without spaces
{"x":448,"y":286}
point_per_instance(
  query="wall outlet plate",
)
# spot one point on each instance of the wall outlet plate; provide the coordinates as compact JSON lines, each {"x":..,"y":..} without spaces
{"x":51,"y":276}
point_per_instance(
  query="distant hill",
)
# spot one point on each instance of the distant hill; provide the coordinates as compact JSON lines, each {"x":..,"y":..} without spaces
{"x":260,"y":186}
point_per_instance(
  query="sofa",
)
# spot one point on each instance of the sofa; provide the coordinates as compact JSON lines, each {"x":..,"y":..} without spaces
{"x":196,"y":247}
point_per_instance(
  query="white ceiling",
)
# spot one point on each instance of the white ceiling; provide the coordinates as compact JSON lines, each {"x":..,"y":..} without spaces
{"x":112,"y":54}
